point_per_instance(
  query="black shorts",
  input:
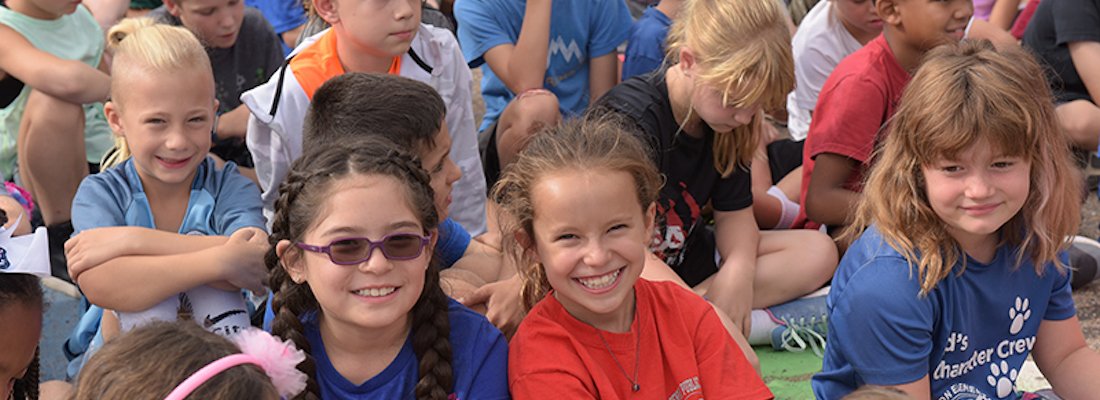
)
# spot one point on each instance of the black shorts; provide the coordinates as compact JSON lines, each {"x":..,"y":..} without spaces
{"x":783,"y":157}
{"x":490,"y":160}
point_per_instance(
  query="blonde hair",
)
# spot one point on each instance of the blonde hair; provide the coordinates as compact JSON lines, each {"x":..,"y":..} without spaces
{"x":968,"y":94}
{"x":743,"y":50}
{"x":577,"y":145}
{"x":141,"y":42}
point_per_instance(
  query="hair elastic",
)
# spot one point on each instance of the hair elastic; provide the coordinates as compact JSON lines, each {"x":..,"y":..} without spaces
{"x":279,"y":360}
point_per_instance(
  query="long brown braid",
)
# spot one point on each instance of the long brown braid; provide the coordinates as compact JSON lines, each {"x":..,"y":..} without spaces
{"x":301,"y":195}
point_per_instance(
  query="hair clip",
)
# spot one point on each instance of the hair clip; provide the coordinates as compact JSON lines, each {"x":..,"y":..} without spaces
{"x":27,"y":254}
{"x":279,"y":360}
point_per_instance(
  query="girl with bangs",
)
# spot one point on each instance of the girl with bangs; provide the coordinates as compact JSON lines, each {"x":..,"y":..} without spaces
{"x":701,"y":117}
{"x":963,"y":219}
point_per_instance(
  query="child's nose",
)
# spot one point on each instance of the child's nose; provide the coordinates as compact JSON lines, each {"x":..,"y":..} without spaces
{"x":405,"y":9}
{"x":597,"y":254}
{"x":979,"y":186}
{"x":744,"y":115}
{"x":376,"y":262}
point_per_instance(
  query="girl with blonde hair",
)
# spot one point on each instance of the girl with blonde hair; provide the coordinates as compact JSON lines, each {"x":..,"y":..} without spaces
{"x":162,"y":229}
{"x":958,"y":272}
{"x":702,"y":119}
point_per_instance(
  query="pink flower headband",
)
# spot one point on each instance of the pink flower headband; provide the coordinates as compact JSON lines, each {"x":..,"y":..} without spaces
{"x":279,"y":360}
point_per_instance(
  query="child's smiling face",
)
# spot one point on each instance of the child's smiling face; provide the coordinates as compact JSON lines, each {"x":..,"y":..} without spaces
{"x":377,"y":292}
{"x":929,"y":23}
{"x":977,"y":193}
{"x":590,"y":234}
{"x":168,"y":135}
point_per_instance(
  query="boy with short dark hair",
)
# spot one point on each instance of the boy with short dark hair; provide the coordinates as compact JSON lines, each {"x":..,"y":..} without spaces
{"x":861,"y":95}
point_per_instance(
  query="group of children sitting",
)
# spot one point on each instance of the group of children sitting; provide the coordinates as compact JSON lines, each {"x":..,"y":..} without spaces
{"x":588,"y":223}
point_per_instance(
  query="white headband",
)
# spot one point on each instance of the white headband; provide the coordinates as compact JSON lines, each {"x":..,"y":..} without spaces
{"x":27,"y":254}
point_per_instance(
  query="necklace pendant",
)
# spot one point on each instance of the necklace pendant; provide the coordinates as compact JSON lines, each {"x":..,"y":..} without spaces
{"x":636,"y":387}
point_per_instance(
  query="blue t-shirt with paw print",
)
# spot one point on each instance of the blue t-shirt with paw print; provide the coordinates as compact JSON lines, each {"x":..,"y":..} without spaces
{"x":969,"y":335}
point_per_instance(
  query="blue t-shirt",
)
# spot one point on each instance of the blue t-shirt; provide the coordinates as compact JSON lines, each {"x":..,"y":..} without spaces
{"x":579,"y":30}
{"x":452,"y":244}
{"x":970,"y":335}
{"x":222,"y":201}
{"x":645,"y":51}
{"x":480,"y":363}
{"x":283,"y":15}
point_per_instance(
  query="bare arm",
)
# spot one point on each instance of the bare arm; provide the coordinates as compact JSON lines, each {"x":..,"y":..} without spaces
{"x":1065,"y":359}
{"x":135,"y":283}
{"x":69,"y":80}
{"x":602,"y":75}
{"x":1086,"y":56}
{"x":982,"y":29}
{"x":731,"y":288}
{"x":93,"y":247}
{"x":827,"y":201}
{"x":1004,"y":13}
{"x":234,"y":123}
{"x":522,"y":66}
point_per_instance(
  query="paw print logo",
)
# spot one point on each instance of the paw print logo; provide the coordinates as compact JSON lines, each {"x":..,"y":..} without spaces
{"x":1002,"y":378}
{"x":1018,"y":315}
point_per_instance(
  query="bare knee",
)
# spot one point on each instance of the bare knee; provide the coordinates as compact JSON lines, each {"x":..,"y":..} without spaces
{"x":524,"y":117}
{"x":51,"y":116}
{"x":1081,"y":121}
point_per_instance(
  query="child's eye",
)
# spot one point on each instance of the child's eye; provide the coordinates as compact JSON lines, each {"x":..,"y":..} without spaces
{"x":197,"y":119}
{"x":566,"y":236}
{"x":617,"y":227}
{"x":1002,"y":164}
{"x":206,"y":13}
{"x":950,"y":168}
{"x":155,"y":121}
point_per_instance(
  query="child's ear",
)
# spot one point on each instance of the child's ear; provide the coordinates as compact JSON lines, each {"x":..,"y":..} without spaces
{"x":173,"y":7}
{"x":528,"y":245}
{"x":327,"y":10}
{"x":687,"y":61}
{"x":110,"y":111}
{"x":650,"y":221}
{"x":290,"y":260}
{"x":888,"y":11}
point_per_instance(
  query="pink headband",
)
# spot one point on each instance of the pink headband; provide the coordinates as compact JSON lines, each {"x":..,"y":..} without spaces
{"x":279,"y":360}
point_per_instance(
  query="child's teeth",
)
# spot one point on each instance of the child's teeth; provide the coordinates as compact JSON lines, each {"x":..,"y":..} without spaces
{"x":600,"y":282}
{"x":375,"y":292}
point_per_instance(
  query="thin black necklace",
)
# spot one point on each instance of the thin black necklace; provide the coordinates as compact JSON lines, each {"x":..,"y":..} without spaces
{"x":637,"y":351}
{"x":637,"y":356}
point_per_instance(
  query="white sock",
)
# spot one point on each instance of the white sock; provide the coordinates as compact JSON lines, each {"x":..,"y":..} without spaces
{"x":762,"y":326}
{"x":790,"y":208}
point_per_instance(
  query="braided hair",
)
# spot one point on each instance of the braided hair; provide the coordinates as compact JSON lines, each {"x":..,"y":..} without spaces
{"x":23,"y":290}
{"x":307,"y":185}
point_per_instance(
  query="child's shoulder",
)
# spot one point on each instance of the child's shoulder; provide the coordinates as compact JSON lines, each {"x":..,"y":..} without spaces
{"x":470,"y":326}
{"x":822,"y":31}
{"x":871,"y":264}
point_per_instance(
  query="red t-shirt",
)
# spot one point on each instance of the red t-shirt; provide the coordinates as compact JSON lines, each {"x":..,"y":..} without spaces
{"x":859,"y":97}
{"x":685,"y":353}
